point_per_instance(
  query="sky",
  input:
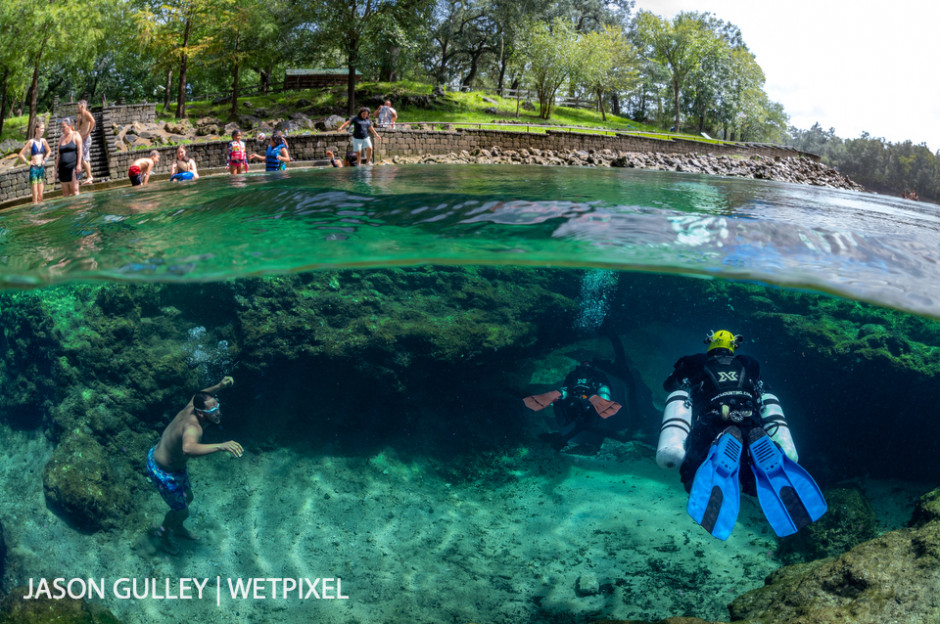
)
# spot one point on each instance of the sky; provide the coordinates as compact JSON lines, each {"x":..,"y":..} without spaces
{"x":859,"y":66}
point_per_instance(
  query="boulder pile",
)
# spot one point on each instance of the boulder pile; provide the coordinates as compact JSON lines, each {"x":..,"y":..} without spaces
{"x":795,"y":170}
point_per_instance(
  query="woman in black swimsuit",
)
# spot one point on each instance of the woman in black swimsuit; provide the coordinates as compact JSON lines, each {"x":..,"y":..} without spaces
{"x":66,"y":159}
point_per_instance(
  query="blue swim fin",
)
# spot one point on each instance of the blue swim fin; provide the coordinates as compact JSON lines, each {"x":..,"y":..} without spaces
{"x":715,"y":496}
{"x":787,"y":493}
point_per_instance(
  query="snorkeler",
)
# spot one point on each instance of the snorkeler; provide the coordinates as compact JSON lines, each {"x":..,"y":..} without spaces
{"x":716,"y":406}
{"x":166,"y":462}
{"x":580,"y":406}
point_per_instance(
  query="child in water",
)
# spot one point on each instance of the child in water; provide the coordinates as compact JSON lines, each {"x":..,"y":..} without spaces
{"x":237,"y":154}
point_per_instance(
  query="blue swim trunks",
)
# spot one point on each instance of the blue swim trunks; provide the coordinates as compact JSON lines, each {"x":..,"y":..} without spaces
{"x":171,"y":485}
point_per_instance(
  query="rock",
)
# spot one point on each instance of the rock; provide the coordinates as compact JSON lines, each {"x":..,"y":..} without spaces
{"x":79,"y":484}
{"x":247,"y":122}
{"x":303,"y":103}
{"x":849,"y":522}
{"x":287,"y":126}
{"x":178,"y":127}
{"x":333,"y":122}
{"x":527,"y":105}
{"x":892,"y":578}
{"x":3,"y":556}
{"x":130,"y":139}
{"x":15,"y":609}
{"x":927,"y":509}
{"x":587,"y":585}
{"x":10,"y":146}
{"x":491,"y":111}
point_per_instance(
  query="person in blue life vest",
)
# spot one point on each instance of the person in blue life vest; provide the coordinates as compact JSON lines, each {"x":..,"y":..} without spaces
{"x":276,"y":155}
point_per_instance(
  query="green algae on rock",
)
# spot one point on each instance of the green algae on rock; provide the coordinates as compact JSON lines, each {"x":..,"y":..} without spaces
{"x":892,"y":578}
{"x":15,"y":609}
{"x":79,"y":481}
{"x":849,"y":521}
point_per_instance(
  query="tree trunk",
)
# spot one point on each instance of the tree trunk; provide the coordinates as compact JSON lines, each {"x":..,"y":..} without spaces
{"x":351,"y":84}
{"x":615,"y":104}
{"x":168,"y":90}
{"x":184,"y":57}
{"x":389,"y":70}
{"x":3,"y":97}
{"x":502,"y":66}
{"x":442,"y":70}
{"x":265,"y":77}
{"x":234,"y":113}
{"x":33,"y":95}
{"x":675,"y":89}
{"x":472,"y":74}
{"x":600,"y":104}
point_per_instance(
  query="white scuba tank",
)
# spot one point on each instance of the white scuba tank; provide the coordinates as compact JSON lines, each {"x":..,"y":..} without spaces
{"x":677,"y":423}
{"x":775,"y":424}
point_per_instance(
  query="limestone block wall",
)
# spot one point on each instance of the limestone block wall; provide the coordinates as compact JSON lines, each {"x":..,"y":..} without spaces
{"x":14,"y":183}
{"x":121,"y":115}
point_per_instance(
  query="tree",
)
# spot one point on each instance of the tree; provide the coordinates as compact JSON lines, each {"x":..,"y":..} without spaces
{"x":550,"y":54}
{"x":175,"y":29}
{"x":347,"y":23}
{"x":679,"y":46}
{"x":608,"y":62}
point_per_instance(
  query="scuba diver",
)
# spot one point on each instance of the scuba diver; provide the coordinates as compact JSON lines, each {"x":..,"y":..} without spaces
{"x":580,"y":406}
{"x":716,"y":405}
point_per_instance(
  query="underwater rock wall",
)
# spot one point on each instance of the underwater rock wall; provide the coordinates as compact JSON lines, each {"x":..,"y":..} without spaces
{"x":428,"y":359}
{"x":320,"y":359}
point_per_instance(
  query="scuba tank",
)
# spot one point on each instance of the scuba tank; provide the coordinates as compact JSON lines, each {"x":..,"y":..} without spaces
{"x":775,"y":424}
{"x":677,"y":423}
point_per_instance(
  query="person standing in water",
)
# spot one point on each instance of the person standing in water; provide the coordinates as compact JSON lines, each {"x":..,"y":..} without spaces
{"x":39,"y":151}
{"x":67,"y":157}
{"x":237,"y":154}
{"x":166,"y":462}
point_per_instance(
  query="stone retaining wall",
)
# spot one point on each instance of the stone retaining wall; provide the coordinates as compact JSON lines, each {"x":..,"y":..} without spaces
{"x":397,"y":142}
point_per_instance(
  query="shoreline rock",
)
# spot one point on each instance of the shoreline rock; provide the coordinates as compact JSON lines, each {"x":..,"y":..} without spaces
{"x":793,"y":170}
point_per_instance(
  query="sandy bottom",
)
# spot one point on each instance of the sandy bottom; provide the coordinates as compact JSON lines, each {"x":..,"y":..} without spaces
{"x":409,"y":546}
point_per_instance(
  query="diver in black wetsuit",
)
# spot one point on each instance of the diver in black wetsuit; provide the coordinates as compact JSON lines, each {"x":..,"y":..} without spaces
{"x":583,"y":405}
{"x":717,"y":400}
{"x":724,"y":389}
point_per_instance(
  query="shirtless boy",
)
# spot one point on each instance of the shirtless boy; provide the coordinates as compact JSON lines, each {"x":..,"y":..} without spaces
{"x":166,"y":462}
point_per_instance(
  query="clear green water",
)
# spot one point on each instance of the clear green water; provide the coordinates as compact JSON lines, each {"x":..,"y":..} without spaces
{"x":861,"y":246}
{"x":380,"y":407}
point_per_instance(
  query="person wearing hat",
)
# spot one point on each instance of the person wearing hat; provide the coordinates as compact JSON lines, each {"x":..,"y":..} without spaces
{"x":728,"y":428}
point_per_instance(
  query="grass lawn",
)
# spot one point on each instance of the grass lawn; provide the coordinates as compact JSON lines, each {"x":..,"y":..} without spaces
{"x":461,"y":109}
{"x":15,"y":128}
